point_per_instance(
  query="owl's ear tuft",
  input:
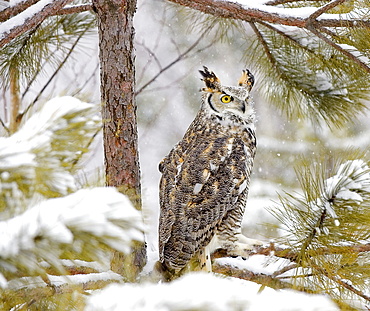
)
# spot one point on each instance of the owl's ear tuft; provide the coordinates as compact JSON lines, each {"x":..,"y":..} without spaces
{"x":210,"y":79}
{"x":246,"y":80}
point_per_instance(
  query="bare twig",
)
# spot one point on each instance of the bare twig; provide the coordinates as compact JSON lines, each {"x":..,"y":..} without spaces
{"x":163,"y":21}
{"x":87,"y":81}
{"x":33,"y":79}
{"x":151,"y":57}
{"x":52,"y":76}
{"x":75,"y":9}
{"x":31,"y":21}
{"x":4,"y":126}
{"x":342,"y":283}
{"x":284,"y":269}
{"x":263,"y":43}
{"x":325,"y":8}
{"x":178,"y":58}
{"x":91,"y":140}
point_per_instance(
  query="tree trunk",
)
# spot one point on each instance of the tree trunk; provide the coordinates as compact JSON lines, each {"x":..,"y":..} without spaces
{"x":117,"y":72}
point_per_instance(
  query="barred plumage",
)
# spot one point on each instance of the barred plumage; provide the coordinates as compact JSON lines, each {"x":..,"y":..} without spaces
{"x":205,"y":177}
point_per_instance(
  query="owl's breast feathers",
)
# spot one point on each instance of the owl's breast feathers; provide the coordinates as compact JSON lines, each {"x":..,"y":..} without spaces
{"x":204,"y":176}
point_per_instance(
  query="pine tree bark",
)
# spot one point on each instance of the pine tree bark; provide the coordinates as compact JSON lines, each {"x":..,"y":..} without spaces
{"x":117,"y":74}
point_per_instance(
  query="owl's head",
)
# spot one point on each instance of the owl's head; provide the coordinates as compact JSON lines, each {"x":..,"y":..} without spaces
{"x":220,"y":99}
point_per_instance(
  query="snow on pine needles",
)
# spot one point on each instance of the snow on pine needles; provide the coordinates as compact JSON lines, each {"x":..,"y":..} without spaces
{"x":44,"y":218}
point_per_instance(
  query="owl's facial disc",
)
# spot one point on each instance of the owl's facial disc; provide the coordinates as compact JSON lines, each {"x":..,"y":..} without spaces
{"x":222,"y":102}
{"x":228,"y":99}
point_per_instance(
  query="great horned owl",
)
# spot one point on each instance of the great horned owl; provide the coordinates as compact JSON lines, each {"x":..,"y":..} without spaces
{"x":205,"y":178}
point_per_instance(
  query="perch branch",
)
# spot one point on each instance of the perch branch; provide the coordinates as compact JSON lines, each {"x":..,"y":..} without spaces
{"x":274,"y":280}
{"x":260,"y":278}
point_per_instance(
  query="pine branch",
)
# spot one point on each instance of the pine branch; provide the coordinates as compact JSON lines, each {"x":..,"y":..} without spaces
{"x":75,"y":9}
{"x":279,"y":251}
{"x":310,"y":86}
{"x":264,"y":44}
{"x":54,"y":73}
{"x":342,"y":282}
{"x":30,"y":293}
{"x":313,"y":233}
{"x":16,"y":9}
{"x":14,"y":99}
{"x":284,"y":270}
{"x":47,"y":9}
{"x":260,"y":278}
{"x":275,"y":281}
{"x":324,"y":9}
{"x":355,"y":59}
{"x":277,"y":2}
{"x":226,"y":9}
{"x":74,"y":225}
{"x":38,"y":159}
{"x":326,"y":225}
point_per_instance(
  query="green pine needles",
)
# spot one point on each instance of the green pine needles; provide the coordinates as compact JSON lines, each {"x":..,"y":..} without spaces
{"x":328,"y":226}
{"x":306,"y":78}
{"x":48,"y":226}
{"x":48,"y":43}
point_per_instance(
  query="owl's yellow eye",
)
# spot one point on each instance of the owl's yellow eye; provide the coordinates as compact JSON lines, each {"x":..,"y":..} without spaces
{"x":226,"y":99}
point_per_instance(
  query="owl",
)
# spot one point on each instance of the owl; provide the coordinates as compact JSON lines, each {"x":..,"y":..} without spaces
{"x":205,"y":179}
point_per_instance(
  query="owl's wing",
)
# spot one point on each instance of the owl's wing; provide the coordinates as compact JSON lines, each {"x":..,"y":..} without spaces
{"x":199,"y":183}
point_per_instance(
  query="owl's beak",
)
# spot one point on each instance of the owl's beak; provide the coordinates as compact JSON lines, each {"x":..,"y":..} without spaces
{"x":242,"y":106}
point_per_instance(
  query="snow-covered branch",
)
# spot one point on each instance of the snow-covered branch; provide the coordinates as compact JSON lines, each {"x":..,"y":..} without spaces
{"x":253,"y":11}
{"x":78,"y":8}
{"x":39,"y":158}
{"x":75,"y":223}
{"x":29,"y":19}
{"x":314,"y":19}
{"x":12,"y":10}
{"x":328,"y":225}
